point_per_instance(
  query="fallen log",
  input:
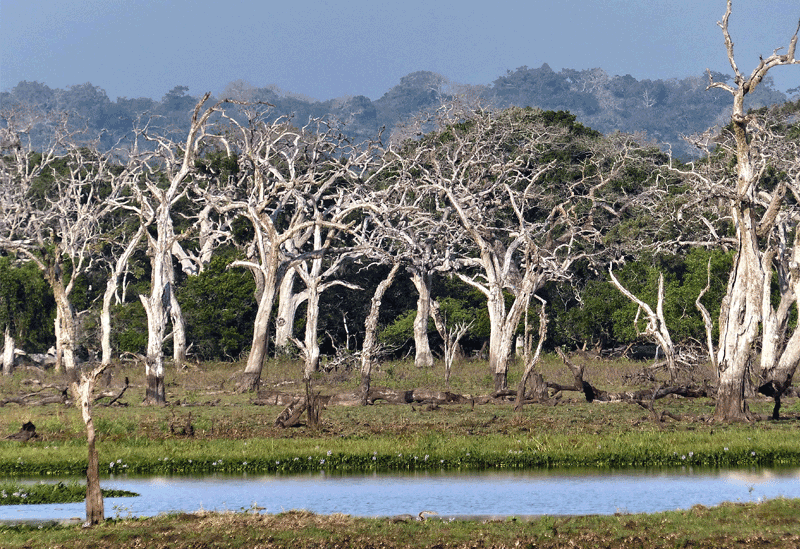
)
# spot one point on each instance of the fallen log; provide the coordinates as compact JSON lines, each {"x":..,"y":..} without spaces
{"x":39,"y":398}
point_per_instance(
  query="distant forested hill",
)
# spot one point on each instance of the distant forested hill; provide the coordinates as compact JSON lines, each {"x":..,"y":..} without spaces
{"x":664,"y":109}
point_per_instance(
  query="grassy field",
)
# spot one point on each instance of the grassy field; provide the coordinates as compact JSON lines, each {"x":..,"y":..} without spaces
{"x":751,"y":525}
{"x":230,"y":434}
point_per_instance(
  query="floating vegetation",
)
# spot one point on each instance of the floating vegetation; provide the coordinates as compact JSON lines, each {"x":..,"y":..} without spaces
{"x":16,"y":493}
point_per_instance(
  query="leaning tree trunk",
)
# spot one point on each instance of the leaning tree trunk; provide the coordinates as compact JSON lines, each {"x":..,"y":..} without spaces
{"x":117,"y":270}
{"x":423,"y":357}
{"x":779,"y":371}
{"x":251,"y":377}
{"x":8,"y":351}
{"x":371,"y":331}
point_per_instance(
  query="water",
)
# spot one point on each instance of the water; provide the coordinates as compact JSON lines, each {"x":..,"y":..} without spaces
{"x":447,"y":493}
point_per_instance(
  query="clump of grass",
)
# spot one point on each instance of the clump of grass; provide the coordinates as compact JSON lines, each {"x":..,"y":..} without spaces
{"x":14,"y":493}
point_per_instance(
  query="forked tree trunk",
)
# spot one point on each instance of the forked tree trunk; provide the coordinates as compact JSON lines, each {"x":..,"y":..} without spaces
{"x":499,"y":341}
{"x":8,"y":351}
{"x":531,"y":360}
{"x":65,"y":335}
{"x":742,"y":314}
{"x":740,"y":317}
{"x":423,"y":357}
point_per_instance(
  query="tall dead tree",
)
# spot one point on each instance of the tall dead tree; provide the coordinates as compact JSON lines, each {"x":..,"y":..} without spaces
{"x":156,"y":200}
{"x":755,"y":193}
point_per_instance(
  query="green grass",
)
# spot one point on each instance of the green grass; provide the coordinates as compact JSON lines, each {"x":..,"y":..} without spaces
{"x":232,"y":435}
{"x":768,"y":524}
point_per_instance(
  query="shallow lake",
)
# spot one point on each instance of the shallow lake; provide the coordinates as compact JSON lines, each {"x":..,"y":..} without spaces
{"x":447,"y":493}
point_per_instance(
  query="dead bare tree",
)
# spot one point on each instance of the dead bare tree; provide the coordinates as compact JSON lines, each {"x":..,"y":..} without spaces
{"x":371,"y":330}
{"x":318,"y":275}
{"x":532,"y":358}
{"x":765,"y":169}
{"x":511,"y":215}
{"x":451,"y":338}
{"x":154,"y":202}
{"x":292,"y":182}
{"x":656,"y":322}
{"x":51,"y":207}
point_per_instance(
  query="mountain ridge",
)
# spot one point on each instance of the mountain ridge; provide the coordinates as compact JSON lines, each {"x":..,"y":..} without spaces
{"x":663,"y":110}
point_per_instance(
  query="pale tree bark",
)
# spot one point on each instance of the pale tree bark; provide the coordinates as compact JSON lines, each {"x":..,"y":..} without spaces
{"x":285,"y":174}
{"x":57,"y":228}
{"x":117,"y":268}
{"x":155,"y":206}
{"x":288,"y":299}
{"x":288,"y":302}
{"x":8,"y":351}
{"x":422,"y":282}
{"x":451,"y":339}
{"x":316,"y":276}
{"x":82,"y":393}
{"x":656,"y":322}
{"x":531,"y":358}
{"x":486,"y":178}
{"x":741,"y":316}
{"x":371,"y":331}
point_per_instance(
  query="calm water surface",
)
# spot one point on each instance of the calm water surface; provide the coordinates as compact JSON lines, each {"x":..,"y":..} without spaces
{"x":447,"y":493}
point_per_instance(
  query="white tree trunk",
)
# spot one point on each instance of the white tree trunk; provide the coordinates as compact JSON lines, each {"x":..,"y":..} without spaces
{"x":157,"y":308}
{"x":311,"y":345}
{"x":67,"y":331}
{"x":251,"y":376}
{"x":423,"y":357}
{"x":178,"y":330}
{"x":740,"y":317}
{"x":500,"y":338}
{"x":371,"y":332}
{"x":288,"y":302}
{"x":8,"y":351}
{"x":105,"y":321}
{"x":82,"y":393}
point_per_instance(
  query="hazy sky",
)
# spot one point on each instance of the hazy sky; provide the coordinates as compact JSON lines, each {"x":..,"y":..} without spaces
{"x":326,"y":49}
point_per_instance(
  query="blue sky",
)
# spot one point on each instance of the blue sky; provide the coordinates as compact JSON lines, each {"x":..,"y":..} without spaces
{"x":325,"y":49}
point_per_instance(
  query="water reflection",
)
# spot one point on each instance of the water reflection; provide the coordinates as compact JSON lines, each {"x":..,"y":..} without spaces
{"x":447,"y":493}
